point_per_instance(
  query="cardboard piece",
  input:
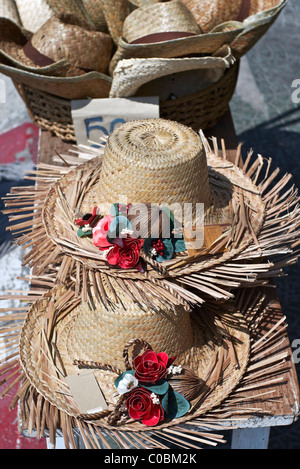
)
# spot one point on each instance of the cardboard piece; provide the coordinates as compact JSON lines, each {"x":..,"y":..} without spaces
{"x":86,"y":392}
{"x":200,"y":239}
{"x":97,"y":118}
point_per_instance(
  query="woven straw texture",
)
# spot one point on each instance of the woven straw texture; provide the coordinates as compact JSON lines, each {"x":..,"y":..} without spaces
{"x":152,"y":161}
{"x":202,"y":109}
{"x":212,"y":13}
{"x":95,"y":12}
{"x":93,"y":84}
{"x":141,"y":3}
{"x":166,"y":17}
{"x":201,"y":352}
{"x":9,"y":10}
{"x":266,"y":372}
{"x":62,"y":38}
{"x":35,"y":13}
{"x":115,"y":12}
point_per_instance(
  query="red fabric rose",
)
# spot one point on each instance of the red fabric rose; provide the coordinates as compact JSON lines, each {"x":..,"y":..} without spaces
{"x":141,"y":407}
{"x":87,"y":219}
{"x":127,"y":255}
{"x":151,"y":367}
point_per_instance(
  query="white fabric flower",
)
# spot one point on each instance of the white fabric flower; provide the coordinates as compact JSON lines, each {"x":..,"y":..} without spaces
{"x":155,"y":398}
{"x":86,"y":228}
{"x":174,"y":370}
{"x":153,"y":252}
{"x":126,"y":231}
{"x":127,"y":384}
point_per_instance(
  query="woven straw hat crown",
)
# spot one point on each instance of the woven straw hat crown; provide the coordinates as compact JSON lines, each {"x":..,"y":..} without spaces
{"x":159,"y":18}
{"x":153,"y":161}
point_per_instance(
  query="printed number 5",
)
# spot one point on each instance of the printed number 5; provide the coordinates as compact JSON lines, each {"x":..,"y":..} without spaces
{"x":93,"y":124}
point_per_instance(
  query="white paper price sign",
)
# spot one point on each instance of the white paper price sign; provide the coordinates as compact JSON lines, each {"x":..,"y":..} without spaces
{"x":97,"y":118}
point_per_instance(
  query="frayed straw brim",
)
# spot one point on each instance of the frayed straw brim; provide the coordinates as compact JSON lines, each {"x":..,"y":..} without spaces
{"x":263,"y":240}
{"x":267,"y":369}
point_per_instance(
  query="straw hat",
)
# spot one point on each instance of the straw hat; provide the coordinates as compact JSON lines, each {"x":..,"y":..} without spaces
{"x":166,"y":30}
{"x":169,"y":77}
{"x":163,"y":162}
{"x":62,"y":334}
{"x":65,"y":38}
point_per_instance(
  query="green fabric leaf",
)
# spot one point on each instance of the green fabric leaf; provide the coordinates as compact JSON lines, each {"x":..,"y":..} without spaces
{"x":179,"y":245}
{"x":160,"y":388}
{"x":84,"y":234}
{"x":175,"y":405}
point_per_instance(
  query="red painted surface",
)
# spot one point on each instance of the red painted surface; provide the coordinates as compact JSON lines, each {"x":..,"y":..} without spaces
{"x":19,"y":144}
{"x":10,"y":437}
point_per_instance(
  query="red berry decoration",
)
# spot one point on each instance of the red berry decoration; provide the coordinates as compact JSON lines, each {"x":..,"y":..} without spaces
{"x":158,"y":246}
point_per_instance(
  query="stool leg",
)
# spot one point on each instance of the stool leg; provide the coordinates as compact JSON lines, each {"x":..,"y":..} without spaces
{"x":250,"y":438}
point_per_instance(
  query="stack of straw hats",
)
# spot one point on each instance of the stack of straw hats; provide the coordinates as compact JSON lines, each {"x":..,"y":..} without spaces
{"x":147,"y":306}
{"x":161,"y":325}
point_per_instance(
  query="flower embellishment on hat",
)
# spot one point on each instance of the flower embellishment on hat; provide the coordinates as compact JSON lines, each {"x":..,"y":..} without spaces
{"x":86,"y":222}
{"x":125,"y":246}
{"x":149,"y":396}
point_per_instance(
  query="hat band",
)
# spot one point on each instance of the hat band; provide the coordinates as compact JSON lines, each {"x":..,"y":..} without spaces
{"x":244,"y":10}
{"x":37,"y":58}
{"x":160,"y":37}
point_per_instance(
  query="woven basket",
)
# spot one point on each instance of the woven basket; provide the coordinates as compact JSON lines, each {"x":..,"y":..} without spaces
{"x":200,"y":110}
